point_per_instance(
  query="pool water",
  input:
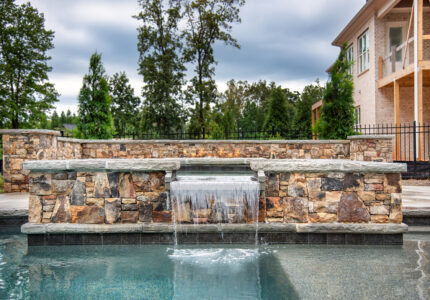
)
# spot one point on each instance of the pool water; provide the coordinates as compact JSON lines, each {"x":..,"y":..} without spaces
{"x":207,"y":272}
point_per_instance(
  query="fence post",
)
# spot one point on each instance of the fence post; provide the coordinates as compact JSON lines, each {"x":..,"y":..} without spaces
{"x":415,"y":147}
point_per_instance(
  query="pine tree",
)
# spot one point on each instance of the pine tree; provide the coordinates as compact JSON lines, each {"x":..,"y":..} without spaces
{"x":69,"y":117}
{"x":63,"y":119}
{"x":124,"y":103}
{"x":26,"y":95}
{"x":55,"y":120}
{"x":302,"y":122}
{"x":278,"y":117}
{"x":337,"y":113}
{"x":95,"y":118}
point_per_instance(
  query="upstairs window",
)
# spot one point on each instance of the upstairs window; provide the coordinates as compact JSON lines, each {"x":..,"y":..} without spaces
{"x":396,"y":38}
{"x":363,"y":52}
{"x":357,"y":111}
{"x":350,"y":58}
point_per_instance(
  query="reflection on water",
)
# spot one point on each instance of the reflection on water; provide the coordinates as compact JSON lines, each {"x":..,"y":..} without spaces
{"x":222,"y":272}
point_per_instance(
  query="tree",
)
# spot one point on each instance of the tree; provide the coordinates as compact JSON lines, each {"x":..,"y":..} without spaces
{"x":26,"y":94}
{"x":55,"y":120}
{"x":124,"y":103}
{"x":337,"y":113}
{"x":95,"y":119}
{"x":278,"y":115}
{"x":69,"y":117}
{"x":302,"y":122}
{"x":252,"y":118}
{"x":207,"y":22}
{"x":160,"y":63}
{"x":63,"y":119}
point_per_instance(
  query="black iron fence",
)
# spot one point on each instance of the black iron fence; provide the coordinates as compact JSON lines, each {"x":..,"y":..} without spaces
{"x":206,"y":134}
{"x":411,"y":145}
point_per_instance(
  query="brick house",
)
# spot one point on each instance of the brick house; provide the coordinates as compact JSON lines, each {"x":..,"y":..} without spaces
{"x":391,"y":72}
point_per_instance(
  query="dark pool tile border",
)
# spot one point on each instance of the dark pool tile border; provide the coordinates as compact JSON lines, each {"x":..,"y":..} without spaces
{"x":215,"y":238}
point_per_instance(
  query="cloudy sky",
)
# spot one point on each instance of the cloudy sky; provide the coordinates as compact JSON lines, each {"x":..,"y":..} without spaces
{"x":286,"y":41}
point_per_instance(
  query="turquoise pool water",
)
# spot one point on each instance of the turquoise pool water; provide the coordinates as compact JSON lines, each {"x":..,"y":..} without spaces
{"x":205,"y":272}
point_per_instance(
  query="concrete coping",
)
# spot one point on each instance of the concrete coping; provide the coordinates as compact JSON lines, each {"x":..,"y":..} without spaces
{"x":326,"y":165}
{"x":257,"y":164}
{"x":372,"y":137}
{"x":29,"y":131}
{"x":69,"y":228}
{"x":126,"y":141}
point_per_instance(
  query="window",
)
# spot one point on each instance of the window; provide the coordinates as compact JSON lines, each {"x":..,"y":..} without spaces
{"x":363,"y":54}
{"x":350,"y":57}
{"x":395,"y":37}
{"x":357,"y":111}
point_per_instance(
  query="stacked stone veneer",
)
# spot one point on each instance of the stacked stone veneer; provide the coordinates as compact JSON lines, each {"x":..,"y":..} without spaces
{"x":98,"y":197}
{"x":371,"y":148}
{"x":20,"y":145}
{"x":295,"y":191}
{"x":333,"y":197}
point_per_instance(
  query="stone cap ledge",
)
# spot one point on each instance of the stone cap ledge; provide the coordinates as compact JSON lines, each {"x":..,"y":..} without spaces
{"x":124,"y":141}
{"x":101,"y":165}
{"x":372,"y":136}
{"x":69,"y":228}
{"x":29,"y":131}
{"x":326,"y":165}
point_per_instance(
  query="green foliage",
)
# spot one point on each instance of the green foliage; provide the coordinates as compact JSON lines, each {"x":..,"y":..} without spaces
{"x":252,"y":118}
{"x":124,"y":103}
{"x":63,"y":119}
{"x":337,"y":113}
{"x":26,"y":94}
{"x":95,"y":119}
{"x":228,"y":124}
{"x":216,"y":133}
{"x":160,"y":64}
{"x":207,"y":22}
{"x":302,"y":122}
{"x":55,"y":120}
{"x":278,"y":116}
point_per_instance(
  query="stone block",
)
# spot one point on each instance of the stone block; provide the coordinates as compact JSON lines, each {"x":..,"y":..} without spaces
{"x":40,"y":184}
{"x":87,"y":214}
{"x":101,"y":186}
{"x":296,"y":210}
{"x":331,"y":184}
{"x":112,"y":210}
{"x":145,"y":211}
{"x":392,"y":183}
{"x":62,"y":186}
{"x":322,"y":218}
{"x":129,"y":216}
{"x":61,"y":213}
{"x":130,"y":207}
{"x":373,"y":187}
{"x":352,"y":209}
{"x":128,"y":201}
{"x":379,"y":210}
{"x":161,"y":216}
{"x":333,"y":196}
{"x":34,"y":209}
{"x":95,"y":201}
{"x":126,"y":188}
{"x":379,"y":219}
{"x":78,"y":194}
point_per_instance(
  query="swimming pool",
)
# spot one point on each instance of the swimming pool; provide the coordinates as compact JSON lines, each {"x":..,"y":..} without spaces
{"x":213,"y":272}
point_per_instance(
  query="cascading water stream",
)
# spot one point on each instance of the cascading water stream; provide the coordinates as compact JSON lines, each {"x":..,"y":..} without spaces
{"x":215,"y":199}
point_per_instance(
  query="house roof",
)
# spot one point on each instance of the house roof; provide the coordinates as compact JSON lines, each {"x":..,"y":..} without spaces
{"x":359,"y":19}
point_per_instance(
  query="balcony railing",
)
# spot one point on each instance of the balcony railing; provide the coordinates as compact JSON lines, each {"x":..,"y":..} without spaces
{"x":399,"y":58}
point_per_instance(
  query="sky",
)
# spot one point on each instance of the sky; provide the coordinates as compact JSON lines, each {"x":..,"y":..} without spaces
{"x":286,"y":41}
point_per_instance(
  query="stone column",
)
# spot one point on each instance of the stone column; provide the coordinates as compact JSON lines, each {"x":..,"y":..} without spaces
{"x":25,"y":144}
{"x":378,"y":148}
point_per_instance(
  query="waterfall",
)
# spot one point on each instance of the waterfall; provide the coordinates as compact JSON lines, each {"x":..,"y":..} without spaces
{"x":201,"y":199}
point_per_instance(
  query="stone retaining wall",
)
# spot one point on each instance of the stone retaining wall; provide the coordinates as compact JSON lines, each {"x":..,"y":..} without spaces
{"x":20,"y":145}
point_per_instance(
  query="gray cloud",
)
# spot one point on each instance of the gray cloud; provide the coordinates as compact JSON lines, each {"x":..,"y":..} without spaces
{"x":287,"y":41}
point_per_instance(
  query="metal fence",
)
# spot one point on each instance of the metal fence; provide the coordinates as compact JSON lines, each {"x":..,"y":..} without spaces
{"x":411,"y":145}
{"x":205,"y":134}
